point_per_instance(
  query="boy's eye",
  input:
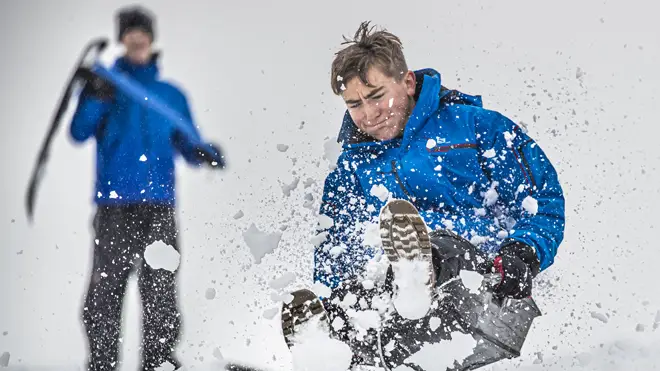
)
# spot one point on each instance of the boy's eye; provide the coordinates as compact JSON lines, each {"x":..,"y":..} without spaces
{"x":377,"y":97}
{"x":354,"y":105}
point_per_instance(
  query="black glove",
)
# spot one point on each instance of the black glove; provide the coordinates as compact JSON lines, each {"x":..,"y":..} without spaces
{"x":95,"y":86}
{"x":518,"y":265}
{"x":211,"y":154}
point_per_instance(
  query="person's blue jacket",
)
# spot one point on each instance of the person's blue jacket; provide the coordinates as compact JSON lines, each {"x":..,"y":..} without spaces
{"x":464,"y":167}
{"x":136,"y":148}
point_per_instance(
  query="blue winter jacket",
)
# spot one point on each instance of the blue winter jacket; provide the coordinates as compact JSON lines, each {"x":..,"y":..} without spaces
{"x":464,"y":167}
{"x":136,"y":148}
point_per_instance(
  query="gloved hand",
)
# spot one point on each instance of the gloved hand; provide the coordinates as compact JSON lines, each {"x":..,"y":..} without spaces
{"x":95,"y":86}
{"x":211,"y":154}
{"x":518,"y":265}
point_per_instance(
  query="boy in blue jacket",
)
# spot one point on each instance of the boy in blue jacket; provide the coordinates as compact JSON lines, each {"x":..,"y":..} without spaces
{"x":484,"y":188}
{"x":135,"y":198}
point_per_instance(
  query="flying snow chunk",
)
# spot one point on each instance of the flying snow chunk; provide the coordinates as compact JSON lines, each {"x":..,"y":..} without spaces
{"x":441,"y":356}
{"x":143,"y":158}
{"x":413,"y":298}
{"x":287,"y":188}
{"x":282,"y":147}
{"x":367,"y":319}
{"x":271,"y":313}
{"x":372,"y":235}
{"x":491,"y":195}
{"x":217,"y":353}
{"x":431,"y":143}
{"x":166,"y":366}
{"x":261,"y":243}
{"x":159,"y":255}
{"x":656,"y":322}
{"x":283,"y":281}
{"x":471,"y":280}
{"x":331,"y":149}
{"x":380,"y":191}
{"x":325,"y":222}
{"x":321,"y":290}
{"x":113,"y":194}
{"x":434,"y":323}
{"x":239,"y":214}
{"x":489,"y":153}
{"x":314,"y":350}
{"x":391,"y":102}
{"x":600,"y":316}
{"x":530,"y":205}
{"x":210,"y":293}
{"x":319,"y":239}
{"x":99,"y":194}
{"x":4,"y":359}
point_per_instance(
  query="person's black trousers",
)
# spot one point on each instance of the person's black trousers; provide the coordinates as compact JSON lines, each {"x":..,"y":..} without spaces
{"x":122,"y":234}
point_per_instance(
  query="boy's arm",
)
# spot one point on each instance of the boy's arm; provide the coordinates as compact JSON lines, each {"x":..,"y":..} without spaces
{"x":527,"y":184}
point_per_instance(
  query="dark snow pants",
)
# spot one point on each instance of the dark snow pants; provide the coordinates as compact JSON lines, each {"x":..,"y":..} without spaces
{"x":121,"y":235}
{"x":401,"y":336}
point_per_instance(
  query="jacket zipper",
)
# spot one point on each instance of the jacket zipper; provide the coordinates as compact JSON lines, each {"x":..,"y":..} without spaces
{"x":400,"y":182}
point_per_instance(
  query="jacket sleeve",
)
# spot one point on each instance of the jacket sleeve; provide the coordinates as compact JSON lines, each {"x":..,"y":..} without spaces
{"x":187,"y":142}
{"x":526,"y":184}
{"x":338,"y":253}
{"x":88,"y":117}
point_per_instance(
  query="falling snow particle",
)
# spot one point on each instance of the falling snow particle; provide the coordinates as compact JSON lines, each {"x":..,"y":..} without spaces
{"x":239,"y":214}
{"x":325,"y":222}
{"x":143,"y":158}
{"x":283,"y":281}
{"x":321,"y":290}
{"x":599,"y":316}
{"x":261,"y":243}
{"x":4,"y":359}
{"x":489,"y":153}
{"x":210,"y":293}
{"x":282,"y":147}
{"x":331,"y":149}
{"x":656,"y":323}
{"x":113,"y":194}
{"x":380,"y":191}
{"x":530,"y":205}
{"x":218,"y":354}
{"x":271,"y":313}
{"x":434,"y":323}
{"x":442,"y":355}
{"x":287,"y":188}
{"x":391,"y":102}
{"x":640,"y":327}
{"x":166,"y":366}
{"x":318,"y":239}
{"x":430,"y":143}
{"x":162,"y":256}
{"x":471,"y":280}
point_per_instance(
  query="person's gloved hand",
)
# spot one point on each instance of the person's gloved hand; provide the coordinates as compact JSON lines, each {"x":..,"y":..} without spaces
{"x":212,"y":155}
{"x":95,"y":86}
{"x":518,"y":265}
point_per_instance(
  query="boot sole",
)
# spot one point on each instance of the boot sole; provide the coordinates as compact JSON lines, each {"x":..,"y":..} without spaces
{"x":404,"y":234}
{"x":302,"y":308}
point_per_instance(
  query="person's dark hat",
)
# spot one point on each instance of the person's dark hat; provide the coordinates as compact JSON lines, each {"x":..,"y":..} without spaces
{"x":133,"y":17}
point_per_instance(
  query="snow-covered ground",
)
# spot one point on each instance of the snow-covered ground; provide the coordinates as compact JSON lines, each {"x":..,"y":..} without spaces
{"x":582,"y":76}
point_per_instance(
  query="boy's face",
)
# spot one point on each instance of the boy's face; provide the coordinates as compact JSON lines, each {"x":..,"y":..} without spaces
{"x":138,"y":46}
{"x":383,"y":110}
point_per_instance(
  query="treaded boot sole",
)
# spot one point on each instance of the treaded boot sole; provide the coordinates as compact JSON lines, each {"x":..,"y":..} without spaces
{"x":302,"y":308}
{"x":404,"y":234}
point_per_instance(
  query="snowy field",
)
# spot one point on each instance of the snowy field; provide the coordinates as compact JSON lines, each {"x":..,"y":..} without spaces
{"x":582,"y":76}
